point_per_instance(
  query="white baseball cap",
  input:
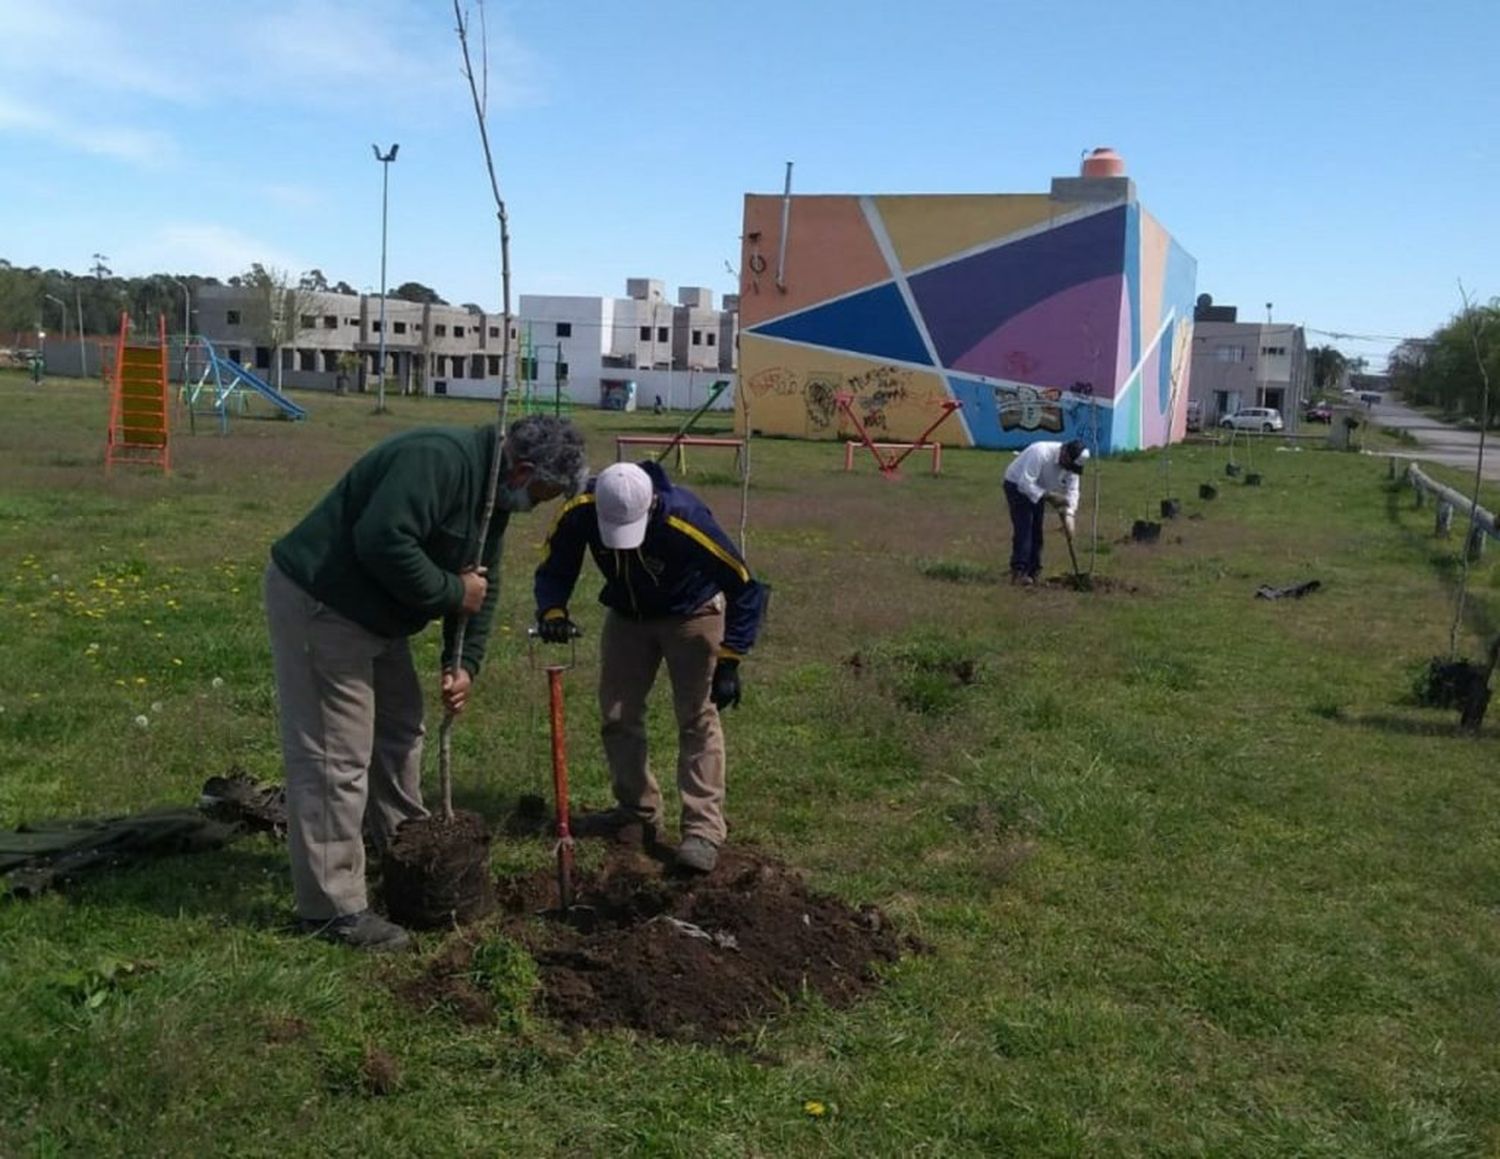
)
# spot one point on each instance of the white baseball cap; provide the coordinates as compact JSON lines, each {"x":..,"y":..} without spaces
{"x":623,"y":497}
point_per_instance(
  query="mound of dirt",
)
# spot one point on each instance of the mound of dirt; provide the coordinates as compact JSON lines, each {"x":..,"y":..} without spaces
{"x":697,"y":958}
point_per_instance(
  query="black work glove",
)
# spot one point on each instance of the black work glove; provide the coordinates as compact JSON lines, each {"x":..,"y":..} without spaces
{"x":726,"y":689}
{"x":556,"y":629}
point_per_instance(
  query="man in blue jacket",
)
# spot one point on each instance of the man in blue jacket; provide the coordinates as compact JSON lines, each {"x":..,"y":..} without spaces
{"x":676,"y":589}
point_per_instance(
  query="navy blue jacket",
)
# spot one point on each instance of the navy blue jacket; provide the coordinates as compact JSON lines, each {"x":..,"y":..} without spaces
{"x":684,"y":561}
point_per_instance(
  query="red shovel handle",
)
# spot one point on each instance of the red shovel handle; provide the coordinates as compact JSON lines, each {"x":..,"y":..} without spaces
{"x":560,"y":788}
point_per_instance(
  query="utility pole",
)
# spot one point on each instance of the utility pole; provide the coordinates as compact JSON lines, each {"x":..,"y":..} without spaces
{"x":385,"y":160}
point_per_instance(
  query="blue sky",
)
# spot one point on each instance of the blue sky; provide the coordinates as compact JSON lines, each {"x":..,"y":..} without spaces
{"x":1336,"y":159}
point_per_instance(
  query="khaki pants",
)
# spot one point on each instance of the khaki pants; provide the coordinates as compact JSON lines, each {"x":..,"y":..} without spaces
{"x":351,"y":739}
{"x":630,"y":652}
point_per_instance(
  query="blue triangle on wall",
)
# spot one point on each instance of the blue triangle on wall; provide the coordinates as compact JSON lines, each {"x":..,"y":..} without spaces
{"x":874,"y":323}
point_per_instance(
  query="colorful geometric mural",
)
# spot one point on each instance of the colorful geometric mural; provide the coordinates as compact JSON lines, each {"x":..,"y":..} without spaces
{"x":1044,"y":317}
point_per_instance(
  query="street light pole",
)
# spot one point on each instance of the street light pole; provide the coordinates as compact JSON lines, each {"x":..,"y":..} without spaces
{"x":64,"y":306}
{"x":385,"y":160}
{"x":187,"y":324}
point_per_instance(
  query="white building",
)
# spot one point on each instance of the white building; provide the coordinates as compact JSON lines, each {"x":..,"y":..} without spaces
{"x":594,"y":347}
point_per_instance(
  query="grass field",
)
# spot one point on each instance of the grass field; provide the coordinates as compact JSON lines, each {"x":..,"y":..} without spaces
{"x":1198,"y":878}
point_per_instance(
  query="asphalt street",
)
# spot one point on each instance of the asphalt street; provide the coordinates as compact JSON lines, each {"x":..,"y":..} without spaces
{"x":1439,"y":442}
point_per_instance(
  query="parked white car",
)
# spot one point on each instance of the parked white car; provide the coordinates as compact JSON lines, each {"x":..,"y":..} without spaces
{"x":1254,"y":418}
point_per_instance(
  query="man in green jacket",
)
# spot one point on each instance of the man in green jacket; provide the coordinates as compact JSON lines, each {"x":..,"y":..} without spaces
{"x":389,"y":549}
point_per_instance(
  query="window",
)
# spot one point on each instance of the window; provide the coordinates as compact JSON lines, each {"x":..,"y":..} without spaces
{"x":351,"y":321}
{"x":476,"y":366}
{"x":697,"y":337}
{"x":399,"y":327}
{"x":562,"y":372}
{"x":262,"y":358}
{"x":232,"y":317}
{"x":495,"y":332}
{"x":709,"y":338}
{"x":375,"y":326}
{"x":307,"y":359}
{"x":565,"y":330}
{"x":330,"y":321}
{"x":645,"y":333}
{"x":234,"y":356}
{"x":663,"y":334}
{"x":1229,"y":354}
{"x":330,"y":361}
{"x":288,"y":358}
{"x":528,"y":370}
{"x":439,"y":329}
{"x":458,"y":366}
{"x":458,"y":331}
{"x":417,"y":327}
{"x":307,"y":321}
{"x":1272,"y":351}
{"x":494,"y":365}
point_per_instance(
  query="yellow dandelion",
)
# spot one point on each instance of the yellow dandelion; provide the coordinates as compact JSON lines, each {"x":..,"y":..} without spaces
{"x":140,"y":680}
{"x":814,"y":1109}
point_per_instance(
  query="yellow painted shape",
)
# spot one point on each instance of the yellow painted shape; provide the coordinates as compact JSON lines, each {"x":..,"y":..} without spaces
{"x":924,"y":228}
{"x":789,"y":390}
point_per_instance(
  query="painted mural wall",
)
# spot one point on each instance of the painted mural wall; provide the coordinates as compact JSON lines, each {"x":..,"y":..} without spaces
{"x":1044,"y":318}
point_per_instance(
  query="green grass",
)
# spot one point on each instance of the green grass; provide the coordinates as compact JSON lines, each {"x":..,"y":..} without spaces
{"x":1198,"y":880}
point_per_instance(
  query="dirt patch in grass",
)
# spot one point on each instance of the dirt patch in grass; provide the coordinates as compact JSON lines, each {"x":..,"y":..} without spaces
{"x":679,"y":957}
{"x":1089,"y":583}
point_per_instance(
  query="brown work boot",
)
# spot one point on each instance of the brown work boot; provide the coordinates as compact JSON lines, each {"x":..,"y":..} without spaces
{"x":625,"y":826}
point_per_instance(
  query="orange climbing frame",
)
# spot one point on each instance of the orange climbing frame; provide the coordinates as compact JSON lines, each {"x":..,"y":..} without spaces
{"x":138,"y":402}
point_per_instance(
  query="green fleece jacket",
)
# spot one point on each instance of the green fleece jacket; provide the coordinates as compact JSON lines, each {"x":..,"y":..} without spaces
{"x":385,"y":546}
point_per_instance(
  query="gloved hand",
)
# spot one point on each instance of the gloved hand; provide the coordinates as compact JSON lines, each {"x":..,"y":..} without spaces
{"x":556,"y":629}
{"x":1056,"y":498}
{"x":726,"y":689}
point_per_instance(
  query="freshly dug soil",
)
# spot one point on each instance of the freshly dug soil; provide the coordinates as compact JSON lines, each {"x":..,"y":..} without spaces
{"x":436,"y":872}
{"x":1088,"y":583}
{"x":681,"y":957}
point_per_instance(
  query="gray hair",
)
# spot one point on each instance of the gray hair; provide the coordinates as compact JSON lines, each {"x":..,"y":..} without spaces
{"x":554,"y":449}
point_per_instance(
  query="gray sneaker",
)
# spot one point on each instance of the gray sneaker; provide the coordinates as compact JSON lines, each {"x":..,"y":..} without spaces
{"x":366,"y":930}
{"x":698,"y":854}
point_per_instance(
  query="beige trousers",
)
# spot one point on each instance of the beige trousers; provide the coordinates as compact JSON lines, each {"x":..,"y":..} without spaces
{"x":351,"y":739}
{"x":630,"y":653}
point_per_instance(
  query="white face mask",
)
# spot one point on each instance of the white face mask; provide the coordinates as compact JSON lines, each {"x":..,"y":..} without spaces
{"x":517,"y":499}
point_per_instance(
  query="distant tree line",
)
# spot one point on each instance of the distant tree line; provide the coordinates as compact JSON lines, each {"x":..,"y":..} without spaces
{"x":32,"y":298}
{"x":1444,"y":369}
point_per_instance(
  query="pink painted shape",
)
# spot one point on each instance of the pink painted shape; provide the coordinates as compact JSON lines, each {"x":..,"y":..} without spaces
{"x":1054,"y":342}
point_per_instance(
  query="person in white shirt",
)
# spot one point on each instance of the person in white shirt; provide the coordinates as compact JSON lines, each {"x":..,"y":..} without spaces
{"x":1044,"y":474}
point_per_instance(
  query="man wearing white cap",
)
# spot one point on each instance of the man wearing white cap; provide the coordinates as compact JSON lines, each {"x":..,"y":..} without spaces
{"x":1044,"y":474}
{"x":676,"y":589}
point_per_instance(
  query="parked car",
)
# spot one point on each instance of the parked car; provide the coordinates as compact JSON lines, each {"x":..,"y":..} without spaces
{"x":1254,"y":418}
{"x":1319,"y":412}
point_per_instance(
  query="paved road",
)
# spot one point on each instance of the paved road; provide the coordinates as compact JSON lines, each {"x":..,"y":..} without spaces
{"x":1439,"y":442}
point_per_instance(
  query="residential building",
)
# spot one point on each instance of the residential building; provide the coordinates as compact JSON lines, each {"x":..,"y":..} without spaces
{"x":429,"y":348}
{"x":989,"y":320}
{"x":640,"y":344}
{"x":1242,"y":364}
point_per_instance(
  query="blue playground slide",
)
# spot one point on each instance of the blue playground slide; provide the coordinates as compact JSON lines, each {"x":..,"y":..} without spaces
{"x":228,"y":376}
